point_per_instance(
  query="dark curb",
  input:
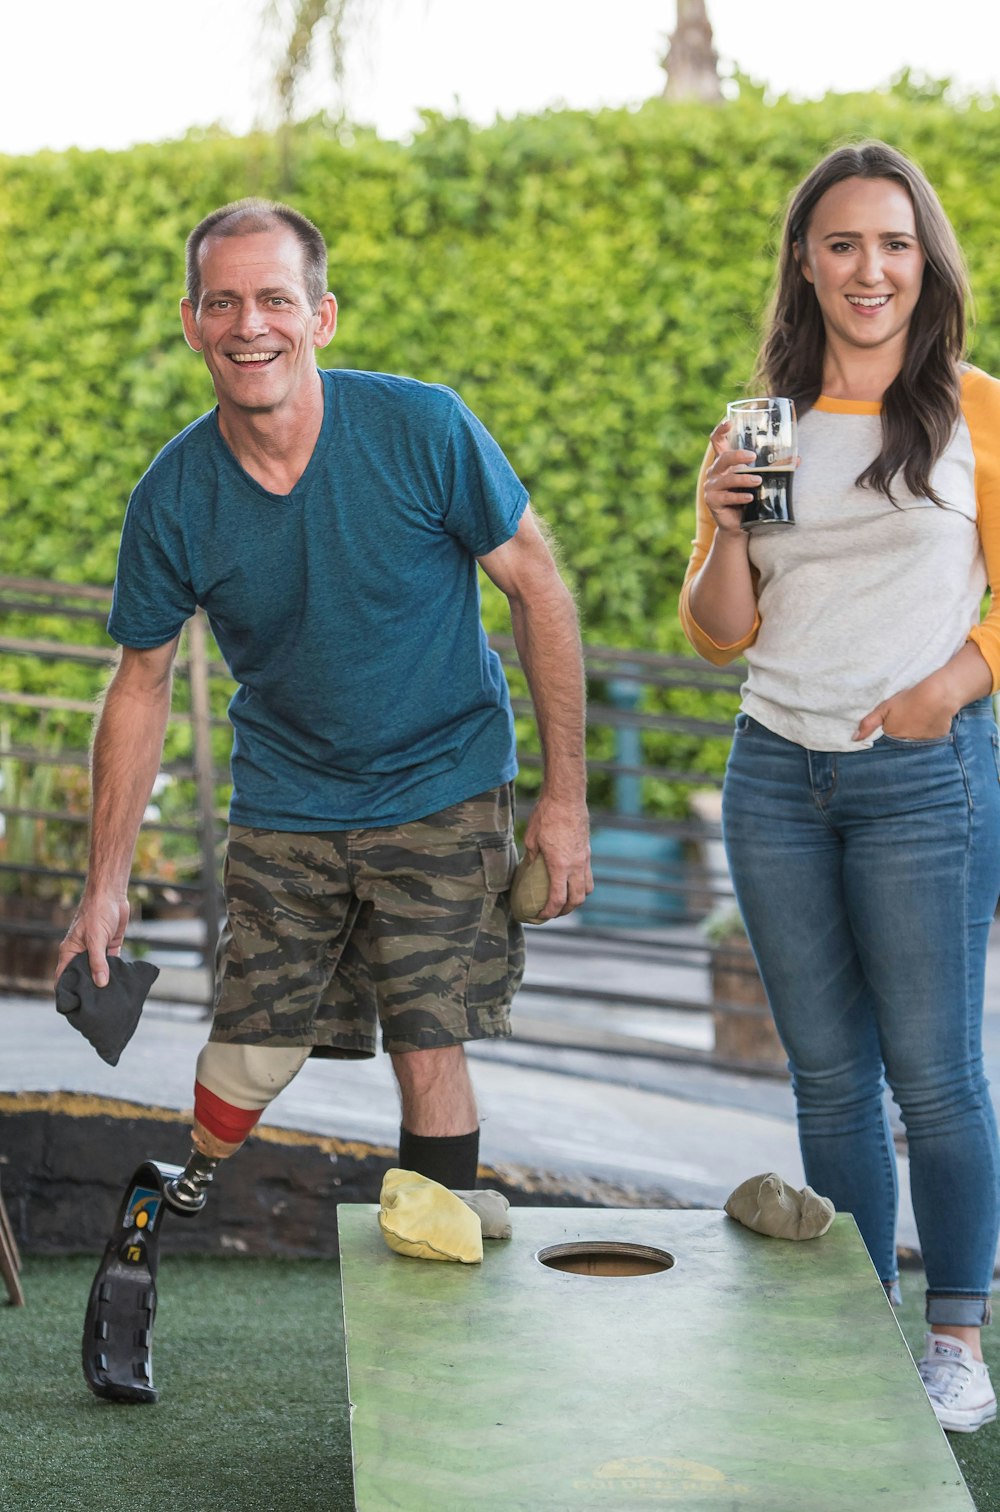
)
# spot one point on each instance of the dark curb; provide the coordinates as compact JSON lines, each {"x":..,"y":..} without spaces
{"x":65,"y":1159}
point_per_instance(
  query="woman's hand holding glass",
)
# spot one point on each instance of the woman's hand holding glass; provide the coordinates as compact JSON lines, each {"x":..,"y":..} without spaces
{"x":725,"y":487}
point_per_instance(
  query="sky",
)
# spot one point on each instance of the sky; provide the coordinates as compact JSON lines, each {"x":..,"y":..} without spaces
{"x":114,"y":72}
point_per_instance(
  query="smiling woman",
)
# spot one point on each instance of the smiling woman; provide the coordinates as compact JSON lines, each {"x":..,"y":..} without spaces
{"x":867,"y":226}
{"x":861,"y":809}
{"x":867,"y":280}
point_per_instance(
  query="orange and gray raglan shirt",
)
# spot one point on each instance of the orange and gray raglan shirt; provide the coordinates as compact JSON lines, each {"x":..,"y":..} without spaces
{"x":863,"y":597}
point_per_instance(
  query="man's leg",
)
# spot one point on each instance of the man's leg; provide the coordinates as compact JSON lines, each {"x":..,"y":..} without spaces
{"x":290,"y":910}
{"x":439,"y":1134}
{"x":446,"y":959}
{"x":233,"y":1086}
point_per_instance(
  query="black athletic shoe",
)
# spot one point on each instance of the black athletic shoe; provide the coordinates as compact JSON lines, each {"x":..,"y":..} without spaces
{"x":118,"y":1331}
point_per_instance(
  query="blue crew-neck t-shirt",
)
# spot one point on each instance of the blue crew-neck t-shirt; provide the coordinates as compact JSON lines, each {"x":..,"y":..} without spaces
{"x":347,"y":610}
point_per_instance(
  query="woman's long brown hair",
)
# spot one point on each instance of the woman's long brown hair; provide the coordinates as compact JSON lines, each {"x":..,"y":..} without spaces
{"x":921,"y":405}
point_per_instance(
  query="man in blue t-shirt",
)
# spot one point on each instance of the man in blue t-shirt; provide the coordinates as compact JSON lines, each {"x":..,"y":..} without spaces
{"x":330,"y":524}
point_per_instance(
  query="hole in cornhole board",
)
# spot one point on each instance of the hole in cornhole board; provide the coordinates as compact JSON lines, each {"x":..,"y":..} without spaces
{"x":606,"y":1258}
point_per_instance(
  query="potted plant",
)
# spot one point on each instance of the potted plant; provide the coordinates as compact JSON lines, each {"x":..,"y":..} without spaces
{"x":744,"y":1028}
{"x":44,"y":835}
{"x":44,"y":842}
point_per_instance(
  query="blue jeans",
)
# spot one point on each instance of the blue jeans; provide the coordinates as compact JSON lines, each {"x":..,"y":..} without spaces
{"x":868,"y":882}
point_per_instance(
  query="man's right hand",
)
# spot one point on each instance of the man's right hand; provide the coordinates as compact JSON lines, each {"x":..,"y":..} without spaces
{"x":125,"y":759}
{"x":99,"y":929}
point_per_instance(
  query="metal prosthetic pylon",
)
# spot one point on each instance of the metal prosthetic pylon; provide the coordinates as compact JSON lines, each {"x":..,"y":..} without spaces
{"x":187,"y":1192}
{"x":118,"y":1329}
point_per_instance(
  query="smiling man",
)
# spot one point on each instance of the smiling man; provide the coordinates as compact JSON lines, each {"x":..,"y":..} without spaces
{"x":330,"y":523}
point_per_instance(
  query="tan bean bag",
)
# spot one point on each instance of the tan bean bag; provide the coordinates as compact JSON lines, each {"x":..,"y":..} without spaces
{"x":768,"y":1205}
{"x":529,"y":890}
{"x":492,"y":1209}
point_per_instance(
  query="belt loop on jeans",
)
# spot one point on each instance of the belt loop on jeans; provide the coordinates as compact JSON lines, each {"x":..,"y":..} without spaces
{"x":979,"y":708}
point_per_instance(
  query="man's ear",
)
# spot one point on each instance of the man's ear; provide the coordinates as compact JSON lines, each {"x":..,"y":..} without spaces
{"x":190,"y":324}
{"x":326,"y":321}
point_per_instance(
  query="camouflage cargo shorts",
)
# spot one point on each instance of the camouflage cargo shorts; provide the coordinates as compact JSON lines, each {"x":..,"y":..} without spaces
{"x":330,"y":935}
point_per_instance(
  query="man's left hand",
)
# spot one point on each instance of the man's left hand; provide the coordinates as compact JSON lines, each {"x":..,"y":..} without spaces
{"x":560,"y":832}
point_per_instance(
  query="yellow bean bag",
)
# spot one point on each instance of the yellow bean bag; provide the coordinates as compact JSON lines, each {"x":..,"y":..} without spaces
{"x":422,"y":1219}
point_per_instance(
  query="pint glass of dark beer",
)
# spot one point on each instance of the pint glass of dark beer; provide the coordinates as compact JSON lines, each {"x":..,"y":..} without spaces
{"x":767,"y":428}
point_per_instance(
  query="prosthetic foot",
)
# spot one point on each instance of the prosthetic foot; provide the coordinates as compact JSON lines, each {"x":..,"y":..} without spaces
{"x":118,"y":1330}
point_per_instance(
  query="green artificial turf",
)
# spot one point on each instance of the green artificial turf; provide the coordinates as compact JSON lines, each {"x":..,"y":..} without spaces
{"x":248,"y":1359}
{"x":252,"y":1414}
{"x":978,"y":1454}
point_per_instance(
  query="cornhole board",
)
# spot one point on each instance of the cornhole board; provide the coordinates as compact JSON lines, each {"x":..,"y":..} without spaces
{"x":753,"y":1374}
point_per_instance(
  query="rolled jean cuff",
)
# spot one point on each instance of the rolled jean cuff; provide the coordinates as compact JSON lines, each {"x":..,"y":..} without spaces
{"x":963,"y":1311}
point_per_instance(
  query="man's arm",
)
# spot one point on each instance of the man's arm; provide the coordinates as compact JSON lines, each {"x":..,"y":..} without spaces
{"x":125,"y":759}
{"x":547,"y":637}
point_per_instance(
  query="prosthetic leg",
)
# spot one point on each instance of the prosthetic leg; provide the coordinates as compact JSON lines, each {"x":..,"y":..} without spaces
{"x":234,"y":1085}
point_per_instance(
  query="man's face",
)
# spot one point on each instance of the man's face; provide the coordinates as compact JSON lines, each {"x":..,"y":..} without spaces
{"x":253,"y":323}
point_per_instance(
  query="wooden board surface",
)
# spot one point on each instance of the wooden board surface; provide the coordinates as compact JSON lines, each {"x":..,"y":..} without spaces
{"x":753,"y":1374}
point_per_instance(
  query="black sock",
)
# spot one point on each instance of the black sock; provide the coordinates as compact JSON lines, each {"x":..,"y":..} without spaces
{"x":451,"y":1159}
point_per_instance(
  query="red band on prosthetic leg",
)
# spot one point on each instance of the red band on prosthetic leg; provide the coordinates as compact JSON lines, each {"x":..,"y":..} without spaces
{"x":226,"y":1123}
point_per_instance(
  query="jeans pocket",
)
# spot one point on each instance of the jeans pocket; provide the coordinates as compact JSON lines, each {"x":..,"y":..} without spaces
{"x":906,"y":743}
{"x":995,"y":744}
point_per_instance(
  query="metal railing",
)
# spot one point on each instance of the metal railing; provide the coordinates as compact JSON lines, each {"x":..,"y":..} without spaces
{"x":657,"y":856}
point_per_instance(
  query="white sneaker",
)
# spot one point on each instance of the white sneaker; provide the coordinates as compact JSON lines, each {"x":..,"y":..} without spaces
{"x":957,"y":1383}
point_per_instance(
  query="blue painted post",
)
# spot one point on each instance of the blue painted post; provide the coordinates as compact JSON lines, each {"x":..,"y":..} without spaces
{"x":623,"y":859}
{"x":628,"y":749}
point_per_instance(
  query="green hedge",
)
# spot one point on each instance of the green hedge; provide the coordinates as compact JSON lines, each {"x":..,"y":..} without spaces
{"x":591,"y":283}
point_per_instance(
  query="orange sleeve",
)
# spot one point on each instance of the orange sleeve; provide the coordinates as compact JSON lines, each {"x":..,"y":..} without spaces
{"x":701,"y":546}
{"x":981,"y":408}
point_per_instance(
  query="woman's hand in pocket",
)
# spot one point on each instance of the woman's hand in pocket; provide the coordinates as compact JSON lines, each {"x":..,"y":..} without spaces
{"x":918,"y":713}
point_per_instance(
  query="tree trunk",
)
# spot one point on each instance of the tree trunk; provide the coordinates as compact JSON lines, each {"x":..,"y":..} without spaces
{"x":691,"y":60}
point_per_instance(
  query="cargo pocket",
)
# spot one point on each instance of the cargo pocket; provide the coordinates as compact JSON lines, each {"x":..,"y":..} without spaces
{"x":499,"y":863}
{"x":497,"y":963}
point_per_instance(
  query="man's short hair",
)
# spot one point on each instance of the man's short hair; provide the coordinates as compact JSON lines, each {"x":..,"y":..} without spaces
{"x":246,"y":217}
